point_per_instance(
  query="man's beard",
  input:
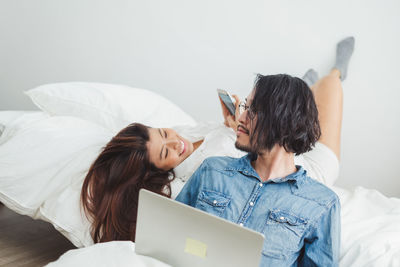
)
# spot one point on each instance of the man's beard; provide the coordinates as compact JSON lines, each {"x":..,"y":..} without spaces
{"x":245,"y":148}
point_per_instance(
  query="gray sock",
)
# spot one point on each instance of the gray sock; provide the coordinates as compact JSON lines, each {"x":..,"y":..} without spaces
{"x":310,"y":77}
{"x":344,"y":50}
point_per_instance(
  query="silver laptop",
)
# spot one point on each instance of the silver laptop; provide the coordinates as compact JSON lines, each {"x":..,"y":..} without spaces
{"x":182,"y":236}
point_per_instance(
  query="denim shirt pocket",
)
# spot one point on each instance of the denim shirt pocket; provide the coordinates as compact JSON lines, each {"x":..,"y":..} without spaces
{"x":283,"y":233}
{"x":212,"y":202}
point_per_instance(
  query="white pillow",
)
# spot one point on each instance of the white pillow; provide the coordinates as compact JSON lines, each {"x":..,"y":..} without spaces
{"x":17,"y":118}
{"x":43,"y":165}
{"x":111,"y":106}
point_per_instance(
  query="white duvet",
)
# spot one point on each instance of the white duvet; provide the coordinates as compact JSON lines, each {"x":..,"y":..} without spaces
{"x":370,"y":236}
{"x":115,"y":253}
{"x":370,"y":221}
{"x":370,"y":228}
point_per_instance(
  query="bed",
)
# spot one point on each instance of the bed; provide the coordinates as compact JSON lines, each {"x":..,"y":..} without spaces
{"x":44,"y":156}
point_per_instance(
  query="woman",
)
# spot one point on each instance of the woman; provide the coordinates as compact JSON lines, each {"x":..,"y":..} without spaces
{"x":161,"y":160}
{"x":143,"y":157}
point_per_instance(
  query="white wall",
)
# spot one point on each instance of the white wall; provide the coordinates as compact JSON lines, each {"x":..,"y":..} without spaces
{"x":184,"y":50}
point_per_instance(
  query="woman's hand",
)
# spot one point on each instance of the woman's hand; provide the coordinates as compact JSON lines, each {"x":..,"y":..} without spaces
{"x":230,"y":120}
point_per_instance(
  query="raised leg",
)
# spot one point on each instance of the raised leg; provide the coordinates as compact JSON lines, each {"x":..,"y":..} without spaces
{"x":328,"y":95}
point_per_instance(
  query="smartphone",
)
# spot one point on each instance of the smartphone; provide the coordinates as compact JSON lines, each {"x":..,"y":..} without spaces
{"x":227,"y":99}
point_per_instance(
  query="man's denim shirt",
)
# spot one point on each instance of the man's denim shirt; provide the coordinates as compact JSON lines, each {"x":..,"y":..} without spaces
{"x":299,"y":217}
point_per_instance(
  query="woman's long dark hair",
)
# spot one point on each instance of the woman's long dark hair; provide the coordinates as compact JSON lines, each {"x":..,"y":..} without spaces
{"x":111,"y":188}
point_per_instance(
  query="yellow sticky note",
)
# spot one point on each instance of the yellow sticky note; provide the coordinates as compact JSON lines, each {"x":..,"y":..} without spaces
{"x":196,"y":248}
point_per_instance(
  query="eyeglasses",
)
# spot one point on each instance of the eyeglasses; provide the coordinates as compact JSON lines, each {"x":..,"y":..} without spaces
{"x":243,"y":107}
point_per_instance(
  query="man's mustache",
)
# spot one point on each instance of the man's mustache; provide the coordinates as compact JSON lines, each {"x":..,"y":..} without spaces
{"x":243,"y":129}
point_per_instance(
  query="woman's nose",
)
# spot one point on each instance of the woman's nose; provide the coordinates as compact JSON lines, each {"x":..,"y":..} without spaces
{"x":172,"y":143}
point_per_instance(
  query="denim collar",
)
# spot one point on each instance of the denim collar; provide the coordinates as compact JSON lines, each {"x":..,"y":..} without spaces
{"x":244,"y":166}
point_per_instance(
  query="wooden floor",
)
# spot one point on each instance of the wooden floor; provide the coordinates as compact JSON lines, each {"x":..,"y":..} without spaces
{"x":28,"y":242}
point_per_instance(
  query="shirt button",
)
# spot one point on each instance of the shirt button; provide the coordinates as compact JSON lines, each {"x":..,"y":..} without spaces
{"x":241,"y":224}
{"x":251,"y":203}
{"x":215,"y":202}
{"x":260,"y":184}
{"x":282,"y":218}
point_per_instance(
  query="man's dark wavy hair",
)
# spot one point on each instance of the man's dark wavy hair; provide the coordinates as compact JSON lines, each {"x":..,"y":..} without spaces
{"x":285,"y":113}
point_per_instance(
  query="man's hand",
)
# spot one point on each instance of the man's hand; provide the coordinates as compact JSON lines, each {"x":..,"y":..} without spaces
{"x":230,"y":120}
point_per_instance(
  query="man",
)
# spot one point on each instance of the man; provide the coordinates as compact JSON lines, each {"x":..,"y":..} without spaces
{"x":265,"y":190}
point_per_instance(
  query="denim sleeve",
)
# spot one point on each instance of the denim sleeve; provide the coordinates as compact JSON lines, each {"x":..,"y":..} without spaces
{"x":324,"y":246}
{"x":190,"y":191}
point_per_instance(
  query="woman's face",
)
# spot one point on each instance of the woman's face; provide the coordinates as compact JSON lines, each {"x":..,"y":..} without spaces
{"x":167,"y":149}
